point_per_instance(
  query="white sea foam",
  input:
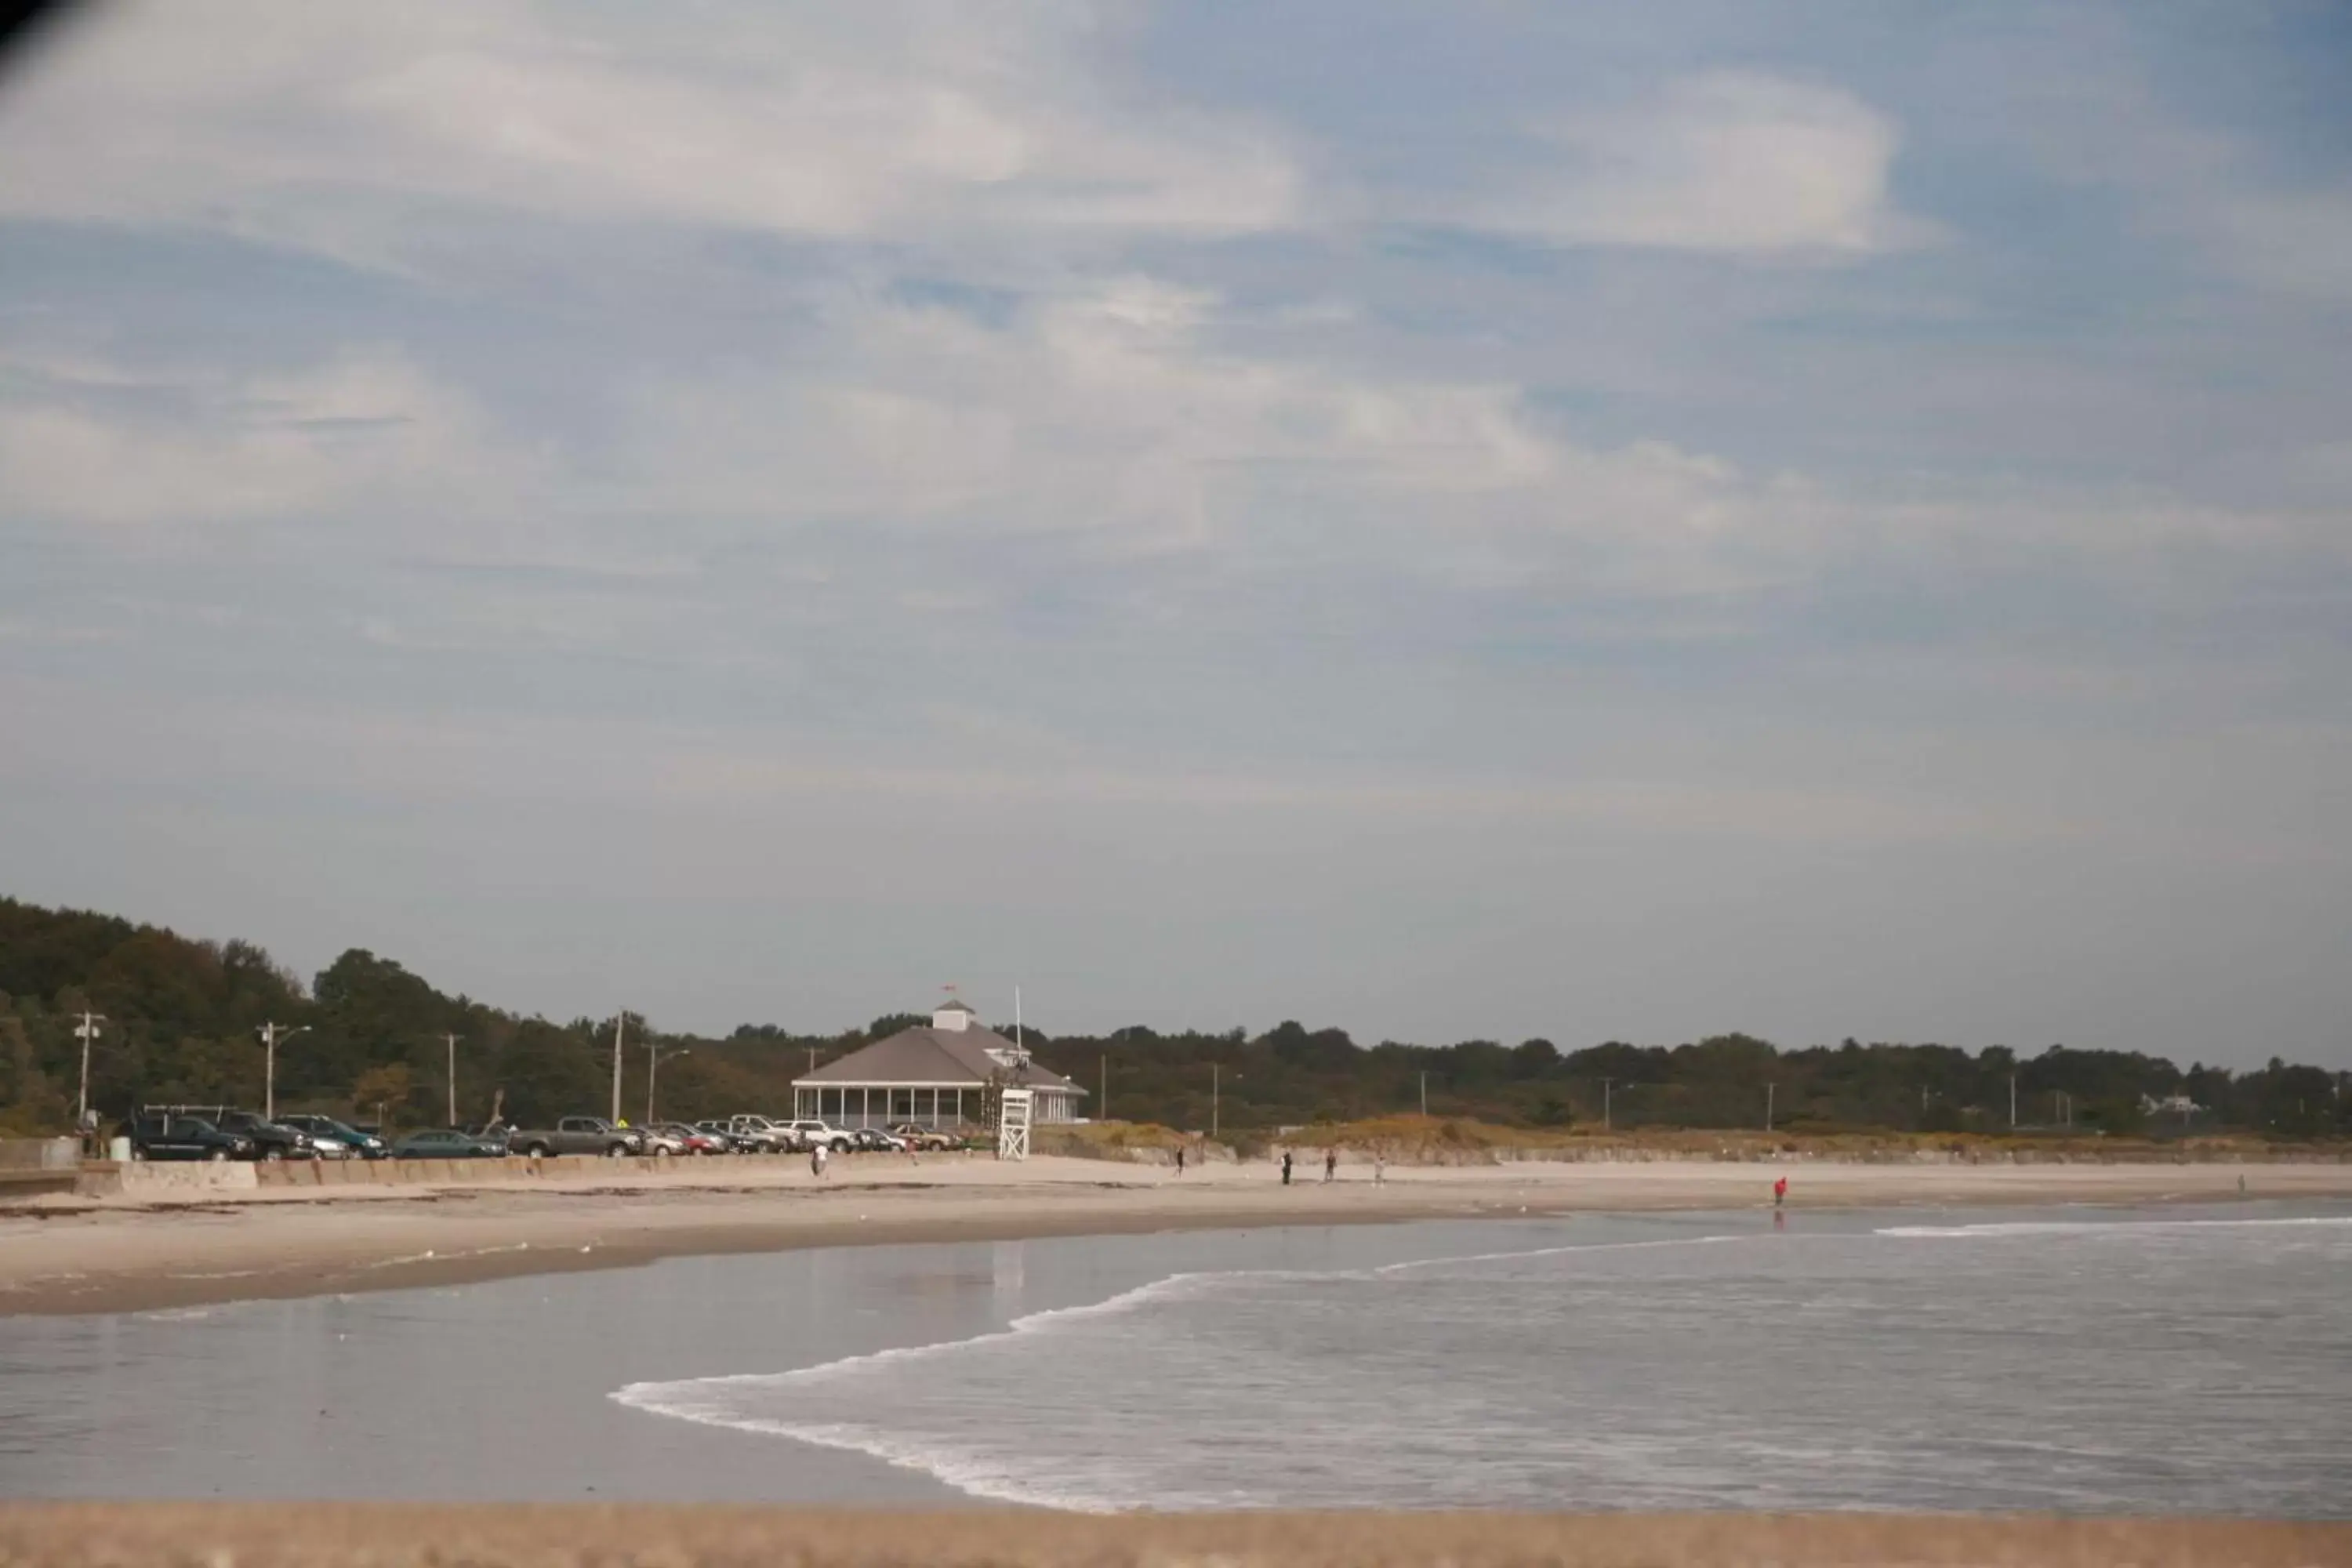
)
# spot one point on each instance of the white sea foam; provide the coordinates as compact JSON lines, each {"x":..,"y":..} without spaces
{"x":736,"y":1400}
{"x":1669,"y":1372}
{"x":2106,"y":1227}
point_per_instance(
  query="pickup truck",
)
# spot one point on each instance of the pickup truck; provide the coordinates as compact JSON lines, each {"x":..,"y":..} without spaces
{"x":577,"y":1135}
{"x":813,"y":1134}
{"x":760,"y":1135}
{"x":162,"y":1135}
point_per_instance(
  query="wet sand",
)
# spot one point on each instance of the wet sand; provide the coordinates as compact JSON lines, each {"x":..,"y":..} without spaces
{"x":264,"y":1536}
{"x":119,"y":1255}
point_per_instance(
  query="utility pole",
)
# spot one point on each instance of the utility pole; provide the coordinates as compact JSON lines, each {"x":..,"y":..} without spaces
{"x":653,"y":1063}
{"x":1424,"y":1093}
{"x":87,"y":1030}
{"x":1102,"y":1106}
{"x":1212,"y":1101}
{"x":616,"y":1065}
{"x":1606,"y":1085}
{"x":1769,"y":1089}
{"x":452,"y":1042}
{"x":2012,"y":1102}
{"x":270,"y":1034}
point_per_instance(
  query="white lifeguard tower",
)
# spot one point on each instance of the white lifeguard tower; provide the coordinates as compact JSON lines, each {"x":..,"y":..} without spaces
{"x":1013,"y":1111}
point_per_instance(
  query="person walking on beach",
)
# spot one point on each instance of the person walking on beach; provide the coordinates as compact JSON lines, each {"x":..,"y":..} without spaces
{"x":1330,"y":1165}
{"x":1779,"y":1192}
{"x":817,"y":1157}
{"x":1179,"y":1160}
{"x":1286,"y":1167}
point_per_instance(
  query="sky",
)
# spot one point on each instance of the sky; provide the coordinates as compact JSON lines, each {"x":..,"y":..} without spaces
{"x":1483,"y":520}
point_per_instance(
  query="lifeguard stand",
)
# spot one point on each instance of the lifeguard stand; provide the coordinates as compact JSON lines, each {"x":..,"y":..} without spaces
{"x":1013,"y":1107}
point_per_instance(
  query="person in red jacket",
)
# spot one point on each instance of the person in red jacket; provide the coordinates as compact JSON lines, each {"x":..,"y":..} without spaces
{"x":1779,"y":1192}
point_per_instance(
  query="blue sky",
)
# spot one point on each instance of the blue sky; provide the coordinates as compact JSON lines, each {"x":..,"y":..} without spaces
{"x":1499,"y":519}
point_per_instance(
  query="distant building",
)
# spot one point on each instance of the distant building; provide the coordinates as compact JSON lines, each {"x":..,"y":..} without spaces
{"x":936,"y":1075}
{"x":2171,"y":1105}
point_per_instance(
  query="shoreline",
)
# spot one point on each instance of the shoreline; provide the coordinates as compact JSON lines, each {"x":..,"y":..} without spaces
{"x":262,"y":1535}
{"x":118,"y":1257}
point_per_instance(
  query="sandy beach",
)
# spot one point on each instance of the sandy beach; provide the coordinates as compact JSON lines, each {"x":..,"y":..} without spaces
{"x":263,"y":1536}
{"x":119,"y":1255}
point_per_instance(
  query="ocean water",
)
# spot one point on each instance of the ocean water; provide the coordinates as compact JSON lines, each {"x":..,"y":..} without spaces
{"x":2078,"y":1360}
{"x":2100,"y":1364}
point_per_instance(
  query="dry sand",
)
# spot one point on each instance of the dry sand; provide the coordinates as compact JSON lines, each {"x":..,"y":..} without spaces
{"x":119,"y":1254}
{"x":255,"y":1535}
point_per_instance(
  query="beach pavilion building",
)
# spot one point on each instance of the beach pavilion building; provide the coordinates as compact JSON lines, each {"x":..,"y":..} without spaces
{"x":936,"y":1075}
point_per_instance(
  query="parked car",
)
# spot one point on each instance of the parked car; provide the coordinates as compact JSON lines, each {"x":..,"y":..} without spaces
{"x":696,"y":1140}
{"x":923,"y":1137}
{"x":326,"y":1129}
{"x":577,"y":1135}
{"x":167,"y":1135}
{"x":875,"y":1140}
{"x":659,"y":1139}
{"x":763,"y":1136}
{"x":726,"y":1142}
{"x":447,"y":1143}
{"x":811,"y":1133}
{"x":271,"y":1140}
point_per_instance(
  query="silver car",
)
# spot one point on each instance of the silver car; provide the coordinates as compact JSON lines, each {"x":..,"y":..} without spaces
{"x":660,"y":1141}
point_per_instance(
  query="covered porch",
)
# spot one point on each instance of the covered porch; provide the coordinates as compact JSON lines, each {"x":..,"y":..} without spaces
{"x":945,"y":1106}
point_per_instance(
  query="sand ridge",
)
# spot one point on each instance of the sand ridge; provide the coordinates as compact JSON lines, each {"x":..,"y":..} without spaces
{"x":261,"y":1535}
{"x":120,"y":1257}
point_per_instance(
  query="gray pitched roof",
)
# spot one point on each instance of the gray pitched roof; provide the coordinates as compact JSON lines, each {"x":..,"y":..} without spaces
{"x":934,"y":1056}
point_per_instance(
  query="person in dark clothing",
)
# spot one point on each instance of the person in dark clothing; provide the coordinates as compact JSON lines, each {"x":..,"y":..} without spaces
{"x":1180,"y":1158}
{"x":1286,"y":1167}
{"x":1330,"y":1165}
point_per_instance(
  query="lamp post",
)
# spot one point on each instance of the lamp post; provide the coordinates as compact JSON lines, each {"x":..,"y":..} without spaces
{"x":1607,"y":1086}
{"x":617,"y":1024}
{"x":452,"y":1042}
{"x":270,"y":1034}
{"x":655,"y":1056}
{"x":87,"y":1031}
{"x":1213,"y":1070}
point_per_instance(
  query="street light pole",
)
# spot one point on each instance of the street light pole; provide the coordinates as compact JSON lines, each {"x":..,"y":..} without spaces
{"x":1424,"y":1094}
{"x":1606,"y":1085}
{"x":270,"y":1034}
{"x":1769,"y":1090}
{"x":653,"y":1060}
{"x":87,"y":1030}
{"x":1213,"y":1102}
{"x":452,"y":1040}
{"x":617,"y":1024}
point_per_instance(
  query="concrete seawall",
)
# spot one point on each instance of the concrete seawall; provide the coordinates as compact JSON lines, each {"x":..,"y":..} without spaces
{"x":100,"y":1179}
{"x":515,"y":1168}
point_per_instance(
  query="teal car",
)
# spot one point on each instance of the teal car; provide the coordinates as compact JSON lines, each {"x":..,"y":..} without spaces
{"x":447,"y":1144}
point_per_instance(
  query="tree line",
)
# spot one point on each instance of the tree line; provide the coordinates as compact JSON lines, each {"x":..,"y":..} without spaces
{"x":183,"y":1016}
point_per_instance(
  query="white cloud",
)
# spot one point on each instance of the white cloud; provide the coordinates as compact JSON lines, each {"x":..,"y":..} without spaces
{"x":321,"y":125}
{"x":357,"y":433}
{"x":2298,"y":244}
{"x":1727,"y":162}
{"x":1135,"y":417}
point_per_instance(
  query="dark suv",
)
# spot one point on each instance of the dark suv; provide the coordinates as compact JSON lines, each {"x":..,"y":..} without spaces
{"x":168,"y":1135}
{"x":326,"y":1129}
{"x":271,"y":1140}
